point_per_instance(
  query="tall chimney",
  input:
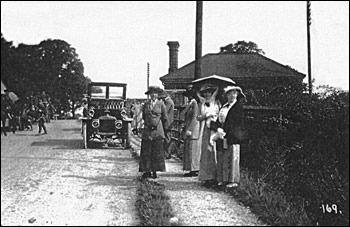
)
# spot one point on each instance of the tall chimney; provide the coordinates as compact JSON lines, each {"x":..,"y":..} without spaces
{"x":173,"y":56}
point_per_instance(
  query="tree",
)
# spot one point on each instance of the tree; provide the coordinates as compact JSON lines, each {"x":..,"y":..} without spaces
{"x":6,"y":51}
{"x":242,"y":47}
{"x":52,"y":66}
{"x":62,"y":71}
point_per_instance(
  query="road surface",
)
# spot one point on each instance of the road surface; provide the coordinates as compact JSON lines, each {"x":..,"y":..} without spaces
{"x":50,"y":180}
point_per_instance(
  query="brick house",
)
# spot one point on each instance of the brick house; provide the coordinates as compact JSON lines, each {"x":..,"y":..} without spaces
{"x":254,"y":72}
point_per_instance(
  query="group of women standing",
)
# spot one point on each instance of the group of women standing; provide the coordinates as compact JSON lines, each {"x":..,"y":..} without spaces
{"x":212,"y":134}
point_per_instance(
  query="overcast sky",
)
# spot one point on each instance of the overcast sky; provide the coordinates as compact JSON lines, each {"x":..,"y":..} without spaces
{"x":115,"y":40}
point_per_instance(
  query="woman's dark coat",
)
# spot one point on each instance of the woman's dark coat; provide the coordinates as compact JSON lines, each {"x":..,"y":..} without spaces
{"x":233,"y":125}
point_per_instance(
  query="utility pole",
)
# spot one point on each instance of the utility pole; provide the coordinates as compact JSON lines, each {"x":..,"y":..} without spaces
{"x":308,"y":18}
{"x":147,"y":78}
{"x":199,"y":17}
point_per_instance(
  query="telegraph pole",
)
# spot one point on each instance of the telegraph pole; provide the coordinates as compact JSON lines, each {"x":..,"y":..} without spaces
{"x":147,"y":78}
{"x":308,"y":18}
{"x":199,"y":18}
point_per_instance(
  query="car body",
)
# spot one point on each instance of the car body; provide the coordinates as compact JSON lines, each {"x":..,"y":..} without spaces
{"x":105,"y":118}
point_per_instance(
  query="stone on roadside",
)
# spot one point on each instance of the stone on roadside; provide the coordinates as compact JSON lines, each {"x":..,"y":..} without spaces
{"x":32,"y":220}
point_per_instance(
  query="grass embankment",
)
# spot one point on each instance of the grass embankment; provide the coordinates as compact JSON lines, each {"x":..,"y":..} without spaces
{"x":270,"y":205}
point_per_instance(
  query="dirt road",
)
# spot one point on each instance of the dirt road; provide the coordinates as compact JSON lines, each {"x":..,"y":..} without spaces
{"x":50,"y":180}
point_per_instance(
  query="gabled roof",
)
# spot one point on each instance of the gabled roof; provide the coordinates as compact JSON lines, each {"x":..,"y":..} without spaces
{"x":233,"y":65}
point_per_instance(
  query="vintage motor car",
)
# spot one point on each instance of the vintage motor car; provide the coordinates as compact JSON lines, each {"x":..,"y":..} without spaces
{"x":105,"y":119}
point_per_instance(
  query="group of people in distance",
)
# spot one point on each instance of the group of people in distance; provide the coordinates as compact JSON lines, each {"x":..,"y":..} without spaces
{"x":20,"y":114}
{"x":212,"y":134}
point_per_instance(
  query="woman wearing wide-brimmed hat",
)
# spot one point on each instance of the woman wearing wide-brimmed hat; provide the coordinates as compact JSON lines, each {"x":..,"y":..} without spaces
{"x":192,"y":147}
{"x":229,"y":126}
{"x":152,"y":152}
{"x":208,"y":111}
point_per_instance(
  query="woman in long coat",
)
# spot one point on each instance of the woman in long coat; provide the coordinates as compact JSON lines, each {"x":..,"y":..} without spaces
{"x":208,"y":111}
{"x":192,"y":147}
{"x":152,"y":152}
{"x":230,"y":127}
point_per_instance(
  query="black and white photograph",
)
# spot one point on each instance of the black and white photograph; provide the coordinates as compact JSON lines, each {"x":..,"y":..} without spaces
{"x":175,"y":113}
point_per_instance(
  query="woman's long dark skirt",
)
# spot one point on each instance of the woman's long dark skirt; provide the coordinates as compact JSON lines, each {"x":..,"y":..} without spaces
{"x":152,"y":156}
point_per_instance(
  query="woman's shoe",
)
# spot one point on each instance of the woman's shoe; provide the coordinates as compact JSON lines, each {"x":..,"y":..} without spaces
{"x":187,"y":174}
{"x":154,"y":175}
{"x":194,"y":173}
{"x":232,"y":185}
{"x":146,"y":175}
{"x":191,"y":174}
{"x":210,"y":183}
{"x":207,"y":184}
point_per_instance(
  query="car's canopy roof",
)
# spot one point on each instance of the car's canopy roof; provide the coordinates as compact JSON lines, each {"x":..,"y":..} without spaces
{"x":107,"y":91}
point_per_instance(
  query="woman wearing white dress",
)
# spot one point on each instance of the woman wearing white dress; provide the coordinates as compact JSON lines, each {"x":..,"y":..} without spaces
{"x":208,"y":112}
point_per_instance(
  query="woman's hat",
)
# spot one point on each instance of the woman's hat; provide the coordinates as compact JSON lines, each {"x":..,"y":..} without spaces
{"x":207,"y":87}
{"x":234,"y":88}
{"x":154,"y":89}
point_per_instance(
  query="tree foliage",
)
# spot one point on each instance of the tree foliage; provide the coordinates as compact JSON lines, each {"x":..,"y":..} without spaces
{"x":242,"y":47}
{"x":52,"y":66}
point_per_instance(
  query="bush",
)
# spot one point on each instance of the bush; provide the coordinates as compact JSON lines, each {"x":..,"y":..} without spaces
{"x":271,"y":206}
{"x":305,"y":154}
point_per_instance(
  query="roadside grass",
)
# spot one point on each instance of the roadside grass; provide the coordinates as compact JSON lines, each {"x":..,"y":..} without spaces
{"x":153,"y":205}
{"x":270,"y":205}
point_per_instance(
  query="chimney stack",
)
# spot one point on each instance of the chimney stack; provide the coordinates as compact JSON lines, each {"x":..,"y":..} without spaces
{"x":173,"y":55}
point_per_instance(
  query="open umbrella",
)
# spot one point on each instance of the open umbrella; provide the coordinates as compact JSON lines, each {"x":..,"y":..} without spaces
{"x":219,"y":81}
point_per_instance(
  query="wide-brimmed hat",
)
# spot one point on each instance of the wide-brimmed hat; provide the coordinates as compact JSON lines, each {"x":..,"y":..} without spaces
{"x":207,"y":87}
{"x":234,"y":88}
{"x":154,"y":89}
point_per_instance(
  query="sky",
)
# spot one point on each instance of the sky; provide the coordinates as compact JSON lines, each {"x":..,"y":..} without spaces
{"x":115,"y":40}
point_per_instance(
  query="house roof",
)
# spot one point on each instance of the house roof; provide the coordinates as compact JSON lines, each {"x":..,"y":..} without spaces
{"x":233,"y":65}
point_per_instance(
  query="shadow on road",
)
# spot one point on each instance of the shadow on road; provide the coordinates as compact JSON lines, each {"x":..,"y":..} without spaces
{"x":72,"y":129}
{"x":108,"y":158}
{"x":60,"y":143}
{"x":19,"y":134}
{"x":75,"y":160}
{"x":126,"y":182}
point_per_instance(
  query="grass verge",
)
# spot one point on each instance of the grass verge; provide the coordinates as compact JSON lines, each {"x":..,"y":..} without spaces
{"x":269,"y":205}
{"x":153,"y":205}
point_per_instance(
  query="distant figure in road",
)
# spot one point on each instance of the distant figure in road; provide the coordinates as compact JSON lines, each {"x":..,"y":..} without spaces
{"x":132,"y":109}
{"x":3,"y":122}
{"x":41,"y":116}
{"x":230,"y":125}
{"x":26,"y":118}
{"x":152,"y":152}
{"x":12,"y":119}
{"x":192,"y":144}
{"x":137,"y":118}
{"x":169,"y":104}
